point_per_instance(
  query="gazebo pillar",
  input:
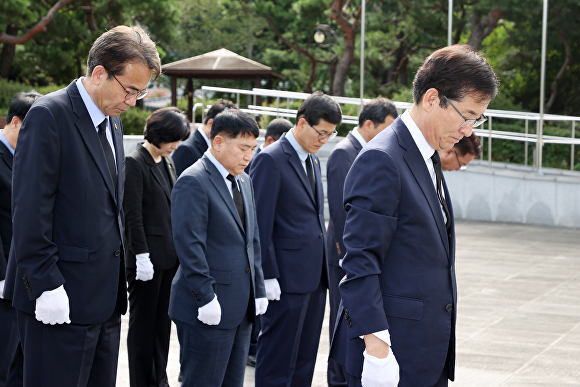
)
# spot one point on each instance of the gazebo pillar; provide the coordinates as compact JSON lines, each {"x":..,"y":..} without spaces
{"x":190,"y":99}
{"x":173,"y":90}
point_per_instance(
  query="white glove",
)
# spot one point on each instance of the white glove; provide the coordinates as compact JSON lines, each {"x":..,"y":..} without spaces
{"x":210,"y":313}
{"x":380,"y":372}
{"x":272,"y":289}
{"x":2,"y":289}
{"x":52,"y":307}
{"x":144,"y":267}
{"x":261,"y":306}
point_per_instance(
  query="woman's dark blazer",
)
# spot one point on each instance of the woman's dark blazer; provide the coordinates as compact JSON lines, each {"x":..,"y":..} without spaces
{"x":147,"y":206}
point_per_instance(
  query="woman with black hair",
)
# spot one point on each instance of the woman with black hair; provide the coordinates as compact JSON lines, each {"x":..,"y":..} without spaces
{"x":151,"y":260}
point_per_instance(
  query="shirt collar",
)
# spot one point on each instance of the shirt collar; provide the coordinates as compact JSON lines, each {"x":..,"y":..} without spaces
{"x":302,"y":154}
{"x":222,"y":170}
{"x":204,"y":137}
{"x":95,"y":113}
{"x":5,"y":142}
{"x":358,"y":136}
{"x":418,"y":137}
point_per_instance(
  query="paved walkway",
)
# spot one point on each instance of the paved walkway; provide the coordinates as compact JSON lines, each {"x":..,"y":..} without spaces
{"x":518,"y":312}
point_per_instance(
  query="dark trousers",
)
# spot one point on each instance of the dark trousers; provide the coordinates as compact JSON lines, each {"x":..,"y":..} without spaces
{"x":334,"y":373}
{"x":149,"y":328}
{"x":254,"y":337}
{"x":69,"y":355}
{"x":288,"y":344}
{"x":10,"y":350}
{"x":213,"y":357}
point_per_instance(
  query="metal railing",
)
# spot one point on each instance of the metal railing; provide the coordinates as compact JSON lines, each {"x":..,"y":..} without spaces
{"x":485,"y":132}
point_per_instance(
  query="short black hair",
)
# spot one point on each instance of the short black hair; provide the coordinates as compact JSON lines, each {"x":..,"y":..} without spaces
{"x":319,"y":106}
{"x":469,"y":144}
{"x":166,"y":125}
{"x":456,"y":71}
{"x":377,"y":110}
{"x":219,"y":106}
{"x":277,"y":127}
{"x":233,"y":122}
{"x":21,"y":104}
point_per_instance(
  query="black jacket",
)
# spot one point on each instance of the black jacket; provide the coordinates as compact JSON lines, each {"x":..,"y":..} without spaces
{"x":189,"y":151}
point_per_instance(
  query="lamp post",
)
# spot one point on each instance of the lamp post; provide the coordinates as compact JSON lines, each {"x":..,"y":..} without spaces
{"x":450,"y":22}
{"x":540,"y":131}
{"x":362,"y":54}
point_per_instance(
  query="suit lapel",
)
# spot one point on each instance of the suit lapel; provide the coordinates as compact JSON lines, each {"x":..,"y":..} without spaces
{"x":416,"y":164}
{"x":220,"y":185}
{"x":247,"y":199}
{"x":117,"y":130}
{"x":90,"y":137}
{"x":6,"y":155}
{"x":172,"y":174}
{"x":296,"y":164}
{"x":200,"y":143}
{"x":318,"y":182}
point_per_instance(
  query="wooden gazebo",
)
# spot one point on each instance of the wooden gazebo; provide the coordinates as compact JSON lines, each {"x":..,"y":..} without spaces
{"x":218,"y":64}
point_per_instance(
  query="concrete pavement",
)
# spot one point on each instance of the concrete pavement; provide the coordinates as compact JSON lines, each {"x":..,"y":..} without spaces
{"x":518,"y":312}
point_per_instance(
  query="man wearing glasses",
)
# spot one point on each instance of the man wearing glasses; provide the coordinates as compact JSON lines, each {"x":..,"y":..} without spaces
{"x":462,"y":153}
{"x":288,"y":191}
{"x":66,"y":274}
{"x":399,"y":295}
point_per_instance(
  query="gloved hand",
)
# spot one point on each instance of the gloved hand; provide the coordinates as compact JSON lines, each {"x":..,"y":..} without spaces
{"x":380,"y":372}
{"x":273,"y":290}
{"x":210,"y":313}
{"x":144,"y":267}
{"x":52,"y":307}
{"x":2,"y":289}
{"x":261,"y":306}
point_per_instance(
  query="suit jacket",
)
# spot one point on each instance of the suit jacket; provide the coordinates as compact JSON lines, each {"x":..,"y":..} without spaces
{"x":189,"y":151}
{"x":147,"y":206}
{"x":67,"y":219}
{"x":290,"y":218}
{"x":247,"y":170}
{"x":400,"y":262}
{"x":5,"y":210}
{"x":337,"y":167}
{"x":216,"y":254}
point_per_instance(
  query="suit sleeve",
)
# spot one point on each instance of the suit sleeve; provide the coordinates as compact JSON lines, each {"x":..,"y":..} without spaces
{"x":371,"y":196}
{"x":259,"y":280}
{"x":336,"y":170}
{"x":133,"y":206}
{"x":181,"y":158}
{"x":189,"y":220}
{"x":267,"y":181}
{"x":3,"y":261}
{"x":35,"y":177}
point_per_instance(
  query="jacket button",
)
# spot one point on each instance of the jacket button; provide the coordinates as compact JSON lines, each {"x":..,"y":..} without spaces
{"x":449,"y":308}
{"x":248,"y":270}
{"x":321,"y":236}
{"x":117,"y":253}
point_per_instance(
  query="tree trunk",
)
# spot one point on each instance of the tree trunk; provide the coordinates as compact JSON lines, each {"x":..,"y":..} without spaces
{"x":8,"y":52}
{"x":563,"y":68}
{"x":342,"y":68}
{"x":480,"y":29}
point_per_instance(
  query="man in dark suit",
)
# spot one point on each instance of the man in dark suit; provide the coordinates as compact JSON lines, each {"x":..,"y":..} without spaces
{"x":66,"y":272}
{"x":399,"y":234}
{"x":374,"y":117}
{"x":10,"y":351}
{"x":288,"y":189}
{"x":219,"y":286}
{"x":191,"y":150}
{"x":274,"y":131}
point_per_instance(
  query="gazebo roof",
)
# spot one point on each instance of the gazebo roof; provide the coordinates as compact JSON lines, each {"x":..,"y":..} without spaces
{"x":220,"y":64}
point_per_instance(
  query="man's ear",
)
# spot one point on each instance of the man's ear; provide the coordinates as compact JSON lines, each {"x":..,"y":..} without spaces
{"x":218,"y":142}
{"x":16,"y":121}
{"x":300,"y":124}
{"x":430,"y":99}
{"x":209,"y":122}
{"x":99,"y":75}
{"x":270,"y":140}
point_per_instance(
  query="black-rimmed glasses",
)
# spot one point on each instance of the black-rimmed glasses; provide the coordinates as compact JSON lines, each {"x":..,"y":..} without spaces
{"x":467,"y":121}
{"x":462,"y":167}
{"x":323,"y":135}
{"x":130,"y":94}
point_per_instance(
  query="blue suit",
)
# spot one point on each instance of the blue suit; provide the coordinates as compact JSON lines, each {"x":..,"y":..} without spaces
{"x":217,"y":256}
{"x":400,"y":262}
{"x":189,"y":151}
{"x":292,"y":233}
{"x":337,"y":167}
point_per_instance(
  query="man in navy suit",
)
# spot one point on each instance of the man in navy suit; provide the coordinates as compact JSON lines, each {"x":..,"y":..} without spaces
{"x":10,"y":351}
{"x":374,"y":117}
{"x":66,"y":274}
{"x":400,"y":287}
{"x":191,"y":150}
{"x":219,"y":286}
{"x":290,"y":199}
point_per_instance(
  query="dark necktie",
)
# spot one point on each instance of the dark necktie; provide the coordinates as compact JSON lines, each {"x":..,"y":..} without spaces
{"x":238,"y":200}
{"x":437,"y":166}
{"x":108,"y":151}
{"x":310,"y":173}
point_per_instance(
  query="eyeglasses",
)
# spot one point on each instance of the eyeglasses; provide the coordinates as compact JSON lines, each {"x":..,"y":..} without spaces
{"x":462,"y":167}
{"x":323,"y":135}
{"x":467,"y":121}
{"x":130,"y":94}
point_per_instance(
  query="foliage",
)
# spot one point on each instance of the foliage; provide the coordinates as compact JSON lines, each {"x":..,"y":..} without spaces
{"x":134,"y":120}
